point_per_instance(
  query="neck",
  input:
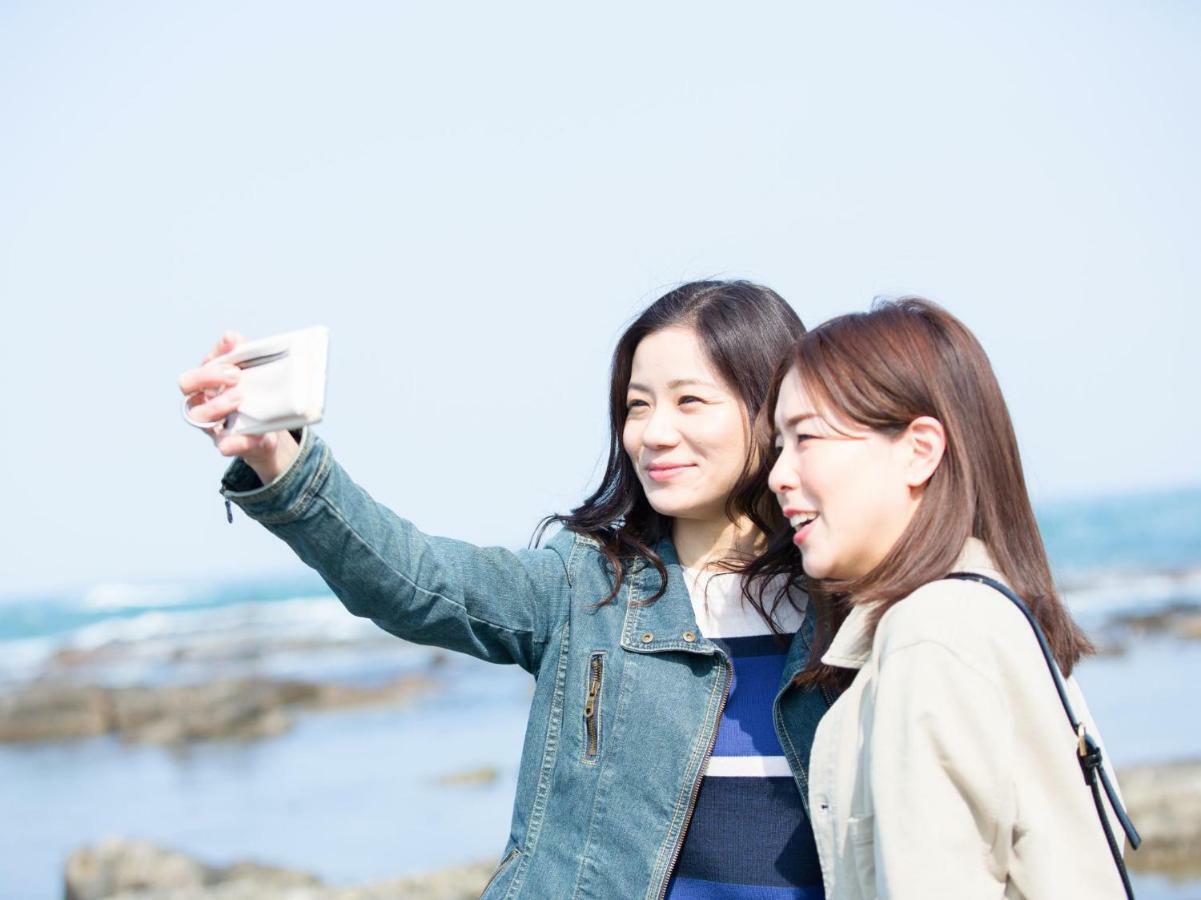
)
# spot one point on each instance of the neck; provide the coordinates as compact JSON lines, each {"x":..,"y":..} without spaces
{"x":702,"y":543}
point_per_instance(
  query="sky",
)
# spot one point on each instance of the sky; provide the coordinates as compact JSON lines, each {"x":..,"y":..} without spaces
{"x":477,"y":198}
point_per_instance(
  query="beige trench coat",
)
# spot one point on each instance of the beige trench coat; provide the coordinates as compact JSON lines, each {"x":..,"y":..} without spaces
{"x":948,"y":768}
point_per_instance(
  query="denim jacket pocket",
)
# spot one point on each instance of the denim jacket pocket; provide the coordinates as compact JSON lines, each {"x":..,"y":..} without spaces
{"x":593,"y":683}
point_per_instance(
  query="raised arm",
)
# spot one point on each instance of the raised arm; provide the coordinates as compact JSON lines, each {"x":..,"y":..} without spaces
{"x":496,"y":604}
{"x":493,"y":603}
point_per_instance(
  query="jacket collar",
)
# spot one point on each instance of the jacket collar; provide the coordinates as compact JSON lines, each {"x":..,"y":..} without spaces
{"x":668,"y":619}
{"x":852,"y":645}
{"x":667,"y":624}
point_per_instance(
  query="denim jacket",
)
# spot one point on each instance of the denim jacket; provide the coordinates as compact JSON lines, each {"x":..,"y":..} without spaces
{"x":627,"y":696}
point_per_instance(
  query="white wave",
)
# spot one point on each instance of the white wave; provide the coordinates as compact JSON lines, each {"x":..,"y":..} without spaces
{"x":115,"y":595}
{"x":321,"y":617}
{"x":162,"y":640}
{"x":1108,"y":593}
{"x":23,"y":658}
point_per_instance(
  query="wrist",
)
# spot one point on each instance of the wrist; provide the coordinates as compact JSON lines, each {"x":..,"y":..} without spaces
{"x":269,"y":464}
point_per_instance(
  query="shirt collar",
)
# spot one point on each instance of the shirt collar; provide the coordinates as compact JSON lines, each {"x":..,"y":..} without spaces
{"x":852,"y":645}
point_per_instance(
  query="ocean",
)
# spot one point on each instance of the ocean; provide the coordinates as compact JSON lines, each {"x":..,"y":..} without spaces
{"x":358,"y":795}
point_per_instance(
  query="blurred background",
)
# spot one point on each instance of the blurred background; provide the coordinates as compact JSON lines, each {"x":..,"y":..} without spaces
{"x":475,"y":199}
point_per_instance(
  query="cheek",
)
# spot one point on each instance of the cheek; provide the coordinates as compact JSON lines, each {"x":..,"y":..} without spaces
{"x":727,"y":437}
{"x":867,"y":492}
{"x":834,"y":475}
{"x":631,"y":440}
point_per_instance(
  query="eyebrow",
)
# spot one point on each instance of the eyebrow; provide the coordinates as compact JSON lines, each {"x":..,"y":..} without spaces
{"x":793,"y":421}
{"x":673,"y":384}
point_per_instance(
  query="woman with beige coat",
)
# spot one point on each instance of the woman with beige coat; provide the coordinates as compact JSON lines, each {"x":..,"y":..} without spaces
{"x":947,"y":768}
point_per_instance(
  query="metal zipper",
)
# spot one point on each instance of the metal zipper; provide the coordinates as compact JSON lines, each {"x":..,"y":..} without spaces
{"x":504,"y":863}
{"x":696,"y":786}
{"x":596,"y":672}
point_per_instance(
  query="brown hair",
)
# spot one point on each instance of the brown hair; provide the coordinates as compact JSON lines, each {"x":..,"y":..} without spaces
{"x":744,"y":328}
{"x":882,"y":369}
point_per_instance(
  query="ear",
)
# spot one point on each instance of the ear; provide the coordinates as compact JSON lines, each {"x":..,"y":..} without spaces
{"x":925,"y":441}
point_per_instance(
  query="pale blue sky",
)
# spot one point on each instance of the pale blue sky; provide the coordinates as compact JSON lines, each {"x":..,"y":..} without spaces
{"x":476,"y":198}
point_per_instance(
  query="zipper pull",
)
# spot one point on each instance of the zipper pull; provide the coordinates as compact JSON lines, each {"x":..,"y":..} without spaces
{"x":229,"y":511}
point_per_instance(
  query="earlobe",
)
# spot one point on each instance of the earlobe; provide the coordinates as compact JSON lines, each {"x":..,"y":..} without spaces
{"x":927,"y":441}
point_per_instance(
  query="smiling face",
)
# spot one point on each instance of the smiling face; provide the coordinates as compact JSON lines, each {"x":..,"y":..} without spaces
{"x":686,"y":431}
{"x":847,"y":491}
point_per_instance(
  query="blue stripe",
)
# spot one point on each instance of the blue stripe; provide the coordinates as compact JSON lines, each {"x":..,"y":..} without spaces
{"x":756,"y":645}
{"x":750,"y":831}
{"x":746,"y":728}
{"x":695,"y":889}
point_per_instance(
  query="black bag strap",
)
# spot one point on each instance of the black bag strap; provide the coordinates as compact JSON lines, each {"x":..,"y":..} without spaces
{"x":1088,"y":751}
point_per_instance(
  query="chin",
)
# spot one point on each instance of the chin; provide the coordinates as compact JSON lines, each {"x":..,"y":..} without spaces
{"x":814,"y":568}
{"x":672,"y":510}
{"x":665,"y":503}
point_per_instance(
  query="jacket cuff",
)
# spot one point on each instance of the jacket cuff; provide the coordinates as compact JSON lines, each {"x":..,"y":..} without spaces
{"x":285,"y":498}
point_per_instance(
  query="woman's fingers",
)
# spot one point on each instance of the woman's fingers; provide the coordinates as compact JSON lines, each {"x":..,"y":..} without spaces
{"x":213,"y":377}
{"x":209,"y":378}
{"x":215,"y":408}
{"x":225,"y":343}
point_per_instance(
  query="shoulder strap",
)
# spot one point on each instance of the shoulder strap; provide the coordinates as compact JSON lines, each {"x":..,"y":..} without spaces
{"x":1088,"y":750}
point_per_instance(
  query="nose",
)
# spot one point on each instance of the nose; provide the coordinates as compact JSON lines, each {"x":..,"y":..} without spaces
{"x":660,"y":430}
{"x":783,"y":476}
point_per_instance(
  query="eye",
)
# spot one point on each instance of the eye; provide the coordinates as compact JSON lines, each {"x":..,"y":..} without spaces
{"x":690,"y":398}
{"x":801,"y":438}
{"x":630,"y":404}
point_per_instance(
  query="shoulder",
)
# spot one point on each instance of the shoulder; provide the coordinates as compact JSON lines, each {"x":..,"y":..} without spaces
{"x":971,"y":620}
{"x":570,"y":546}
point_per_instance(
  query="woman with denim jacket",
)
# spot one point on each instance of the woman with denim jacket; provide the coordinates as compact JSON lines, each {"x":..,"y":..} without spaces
{"x":948,"y":767}
{"x":666,"y":749}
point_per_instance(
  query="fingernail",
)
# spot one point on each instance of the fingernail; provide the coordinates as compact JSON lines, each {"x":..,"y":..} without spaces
{"x":230,"y":373}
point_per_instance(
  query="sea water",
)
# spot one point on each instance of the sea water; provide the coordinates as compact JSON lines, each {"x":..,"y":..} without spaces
{"x":358,"y":795}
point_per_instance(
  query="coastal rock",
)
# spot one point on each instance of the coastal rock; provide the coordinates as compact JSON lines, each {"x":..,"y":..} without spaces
{"x":139,"y":870}
{"x":120,"y":868}
{"x":47,"y":712}
{"x":485,"y":775}
{"x":240,"y":709}
{"x":1164,"y":802}
{"x":1180,"y":620}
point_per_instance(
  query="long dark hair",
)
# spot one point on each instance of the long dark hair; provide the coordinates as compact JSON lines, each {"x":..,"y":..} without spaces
{"x":882,"y":369}
{"x":745,"y":329}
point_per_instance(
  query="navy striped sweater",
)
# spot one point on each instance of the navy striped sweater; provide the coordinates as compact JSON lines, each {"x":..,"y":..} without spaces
{"x":749,"y":838}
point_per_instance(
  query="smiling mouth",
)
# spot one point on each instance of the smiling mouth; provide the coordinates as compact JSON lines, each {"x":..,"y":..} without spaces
{"x":800,"y":520}
{"x":664,"y":473}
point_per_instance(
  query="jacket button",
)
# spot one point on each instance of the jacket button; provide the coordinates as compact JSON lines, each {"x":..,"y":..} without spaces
{"x":690,"y":636}
{"x":647,"y":637}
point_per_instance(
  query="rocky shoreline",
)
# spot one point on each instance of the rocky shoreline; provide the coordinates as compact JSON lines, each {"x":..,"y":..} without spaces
{"x":173,"y":715}
{"x":1163,"y":800}
{"x":139,"y":870}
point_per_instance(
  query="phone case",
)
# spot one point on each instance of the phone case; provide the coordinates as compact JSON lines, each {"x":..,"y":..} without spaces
{"x":282,"y":382}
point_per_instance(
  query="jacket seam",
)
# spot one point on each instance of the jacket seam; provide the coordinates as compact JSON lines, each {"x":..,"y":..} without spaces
{"x":952,"y":652}
{"x":600,"y":793}
{"x":700,"y":747}
{"x":550,"y":755}
{"x":794,"y":757}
